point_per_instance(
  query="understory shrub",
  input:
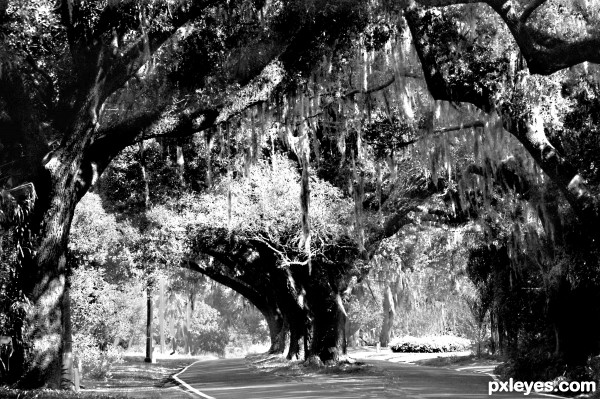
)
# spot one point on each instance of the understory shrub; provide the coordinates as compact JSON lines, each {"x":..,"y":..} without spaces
{"x":430,"y":344}
{"x":208,"y":333}
{"x":95,"y":362}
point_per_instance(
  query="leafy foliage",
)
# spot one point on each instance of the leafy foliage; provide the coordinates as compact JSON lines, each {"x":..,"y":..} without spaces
{"x":16,"y":240}
{"x":102,"y":310}
{"x":336,"y":55}
{"x":264,"y":207}
{"x":207,"y":332}
{"x":96,"y":363}
{"x":446,"y":343}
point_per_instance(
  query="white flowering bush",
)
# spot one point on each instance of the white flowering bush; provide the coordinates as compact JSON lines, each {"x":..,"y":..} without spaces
{"x":444,"y":343}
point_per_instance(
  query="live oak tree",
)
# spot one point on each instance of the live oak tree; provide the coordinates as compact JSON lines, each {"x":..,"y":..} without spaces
{"x":70,"y":77}
{"x":256,"y":240}
{"x":252,"y":226}
{"x":122,"y":192}
{"x":65,"y":70}
{"x":540,"y":112}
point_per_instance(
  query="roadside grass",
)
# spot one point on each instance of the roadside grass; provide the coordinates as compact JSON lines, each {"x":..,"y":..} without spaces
{"x":134,"y":372}
{"x":132,"y":378}
{"x":457,"y":361}
{"x":7,"y":393}
{"x":280,"y":366}
{"x":275,"y":364}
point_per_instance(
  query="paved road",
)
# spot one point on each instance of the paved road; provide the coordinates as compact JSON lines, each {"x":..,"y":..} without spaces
{"x":232,"y":379}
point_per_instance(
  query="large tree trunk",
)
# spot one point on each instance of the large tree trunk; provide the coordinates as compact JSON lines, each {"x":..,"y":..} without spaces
{"x":44,"y":277}
{"x":297,"y":335}
{"x":328,"y":313}
{"x":576,"y":338}
{"x":326,"y":287}
{"x":46,"y":327}
{"x":290,"y":300}
{"x":278,"y":331}
{"x":329,"y":337}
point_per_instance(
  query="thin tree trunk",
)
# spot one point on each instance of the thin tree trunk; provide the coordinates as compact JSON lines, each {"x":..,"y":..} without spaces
{"x":130,"y":341}
{"x":67,"y":380}
{"x":493,"y":332}
{"x":174,"y":344}
{"x":389,"y":313}
{"x":501,"y":334}
{"x":180,"y":165}
{"x":149,"y":317}
{"x":187,"y":333}
{"x":161,"y":315}
{"x":352,"y":331}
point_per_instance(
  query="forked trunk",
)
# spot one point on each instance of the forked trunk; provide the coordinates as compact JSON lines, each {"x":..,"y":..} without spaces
{"x":297,"y":334}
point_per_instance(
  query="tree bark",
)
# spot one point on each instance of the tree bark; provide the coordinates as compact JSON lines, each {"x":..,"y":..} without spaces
{"x":329,"y":339}
{"x":149,"y":283}
{"x":67,"y":379}
{"x":290,"y":299}
{"x":278,"y":331}
{"x":44,"y":277}
{"x":296,"y":348}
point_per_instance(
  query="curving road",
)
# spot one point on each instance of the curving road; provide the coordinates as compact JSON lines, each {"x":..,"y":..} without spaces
{"x":232,"y":379}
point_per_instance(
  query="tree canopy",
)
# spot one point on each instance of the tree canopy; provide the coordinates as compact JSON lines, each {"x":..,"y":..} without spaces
{"x":396,"y":111}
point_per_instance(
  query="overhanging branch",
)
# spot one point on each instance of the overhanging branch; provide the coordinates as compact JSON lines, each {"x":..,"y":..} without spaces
{"x":529,"y":9}
{"x":239,"y":286}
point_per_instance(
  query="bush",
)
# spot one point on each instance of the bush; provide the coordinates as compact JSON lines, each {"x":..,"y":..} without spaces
{"x":445,"y":343}
{"x":8,"y":393}
{"x":537,"y":365}
{"x":208,"y":335}
{"x":95,"y":363}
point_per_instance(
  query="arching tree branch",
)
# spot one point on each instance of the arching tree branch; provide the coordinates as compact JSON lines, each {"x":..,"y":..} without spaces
{"x":528,"y":128}
{"x":220,"y":275}
{"x":545,"y":54}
